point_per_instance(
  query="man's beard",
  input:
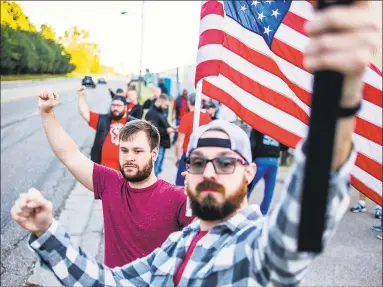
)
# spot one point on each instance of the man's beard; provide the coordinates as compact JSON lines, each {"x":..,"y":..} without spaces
{"x":117,"y":117}
{"x":209,"y":209}
{"x":141,"y":174}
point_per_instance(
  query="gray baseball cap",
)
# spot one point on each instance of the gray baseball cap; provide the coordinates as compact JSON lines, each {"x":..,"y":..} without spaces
{"x":238,"y":141}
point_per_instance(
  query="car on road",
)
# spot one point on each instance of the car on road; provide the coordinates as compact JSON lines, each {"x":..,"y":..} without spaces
{"x":102,"y":81}
{"x":88,"y":82}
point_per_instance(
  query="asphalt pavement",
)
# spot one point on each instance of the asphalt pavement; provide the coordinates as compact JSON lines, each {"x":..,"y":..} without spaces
{"x":27,"y":160}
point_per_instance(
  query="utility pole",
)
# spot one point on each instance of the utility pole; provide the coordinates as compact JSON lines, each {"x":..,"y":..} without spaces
{"x":141,"y":48}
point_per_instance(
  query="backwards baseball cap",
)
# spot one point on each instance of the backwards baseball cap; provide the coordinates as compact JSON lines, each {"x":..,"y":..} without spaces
{"x":120,"y":98}
{"x":238,"y":140}
{"x":119,"y":91}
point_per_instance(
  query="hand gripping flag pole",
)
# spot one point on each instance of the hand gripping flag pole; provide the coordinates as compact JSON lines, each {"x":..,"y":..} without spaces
{"x":326,"y":97}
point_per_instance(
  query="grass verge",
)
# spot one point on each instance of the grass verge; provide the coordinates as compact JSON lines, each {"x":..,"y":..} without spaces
{"x":23,"y":77}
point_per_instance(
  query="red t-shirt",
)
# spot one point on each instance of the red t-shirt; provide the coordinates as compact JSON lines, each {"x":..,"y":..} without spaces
{"x":136,"y":221}
{"x":184,"y":109}
{"x":181,"y":268}
{"x":110,"y":148}
{"x":131,"y":106}
{"x":186,"y":126}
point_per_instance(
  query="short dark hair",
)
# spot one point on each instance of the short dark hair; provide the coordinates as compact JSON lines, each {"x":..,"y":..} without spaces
{"x":133,"y":127}
{"x":163,"y":97}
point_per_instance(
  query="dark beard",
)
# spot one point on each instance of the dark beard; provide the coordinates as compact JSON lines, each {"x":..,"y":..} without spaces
{"x":116,"y":117}
{"x":140,"y":175}
{"x":208,"y":209}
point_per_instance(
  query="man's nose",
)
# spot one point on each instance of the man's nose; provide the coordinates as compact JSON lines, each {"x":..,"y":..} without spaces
{"x":209,"y":171}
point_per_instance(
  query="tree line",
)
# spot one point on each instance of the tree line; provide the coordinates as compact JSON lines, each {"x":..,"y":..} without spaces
{"x":26,"y":50}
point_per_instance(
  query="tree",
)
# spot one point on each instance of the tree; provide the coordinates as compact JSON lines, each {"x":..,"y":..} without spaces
{"x":47,"y":32}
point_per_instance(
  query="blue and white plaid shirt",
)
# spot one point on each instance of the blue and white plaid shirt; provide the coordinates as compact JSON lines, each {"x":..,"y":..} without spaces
{"x":246,"y":250}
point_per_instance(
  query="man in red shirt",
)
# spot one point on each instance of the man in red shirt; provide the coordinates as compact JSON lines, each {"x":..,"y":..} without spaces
{"x":106,"y":143}
{"x":184,"y":132}
{"x":140,"y":210}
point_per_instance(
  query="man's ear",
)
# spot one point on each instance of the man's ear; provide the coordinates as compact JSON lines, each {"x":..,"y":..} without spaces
{"x":155,"y":153}
{"x":250,"y":172}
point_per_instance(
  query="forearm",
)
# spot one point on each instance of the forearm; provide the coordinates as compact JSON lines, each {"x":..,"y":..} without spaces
{"x":343,"y":142}
{"x":57,"y":250}
{"x":83,"y":107}
{"x":60,"y":142}
{"x":178,"y":150}
{"x":279,"y":239}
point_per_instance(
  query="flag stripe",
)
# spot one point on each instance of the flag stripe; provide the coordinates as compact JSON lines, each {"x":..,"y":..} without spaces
{"x":295,"y":22}
{"x":265,"y":62}
{"x":369,"y":165}
{"x":262,"y":124}
{"x":206,"y":69}
{"x":371,"y":194}
{"x":212,"y":7}
{"x":212,"y":36}
{"x":264,"y":93}
{"x":367,"y":179}
{"x":259,"y":75}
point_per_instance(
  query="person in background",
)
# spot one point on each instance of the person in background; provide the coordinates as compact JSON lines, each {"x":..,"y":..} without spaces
{"x":161,"y":85}
{"x":180,"y":108}
{"x":134,"y":108}
{"x":134,"y":221}
{"x":360,"y":207}
{"x":156,"y":92}
{"x":211,"y":109}
{"x":119,"y":92}
{"x":156,"y":116}
{"x":265,"y":151}
{"x":106,"y":142}
{"x":185,"y":130}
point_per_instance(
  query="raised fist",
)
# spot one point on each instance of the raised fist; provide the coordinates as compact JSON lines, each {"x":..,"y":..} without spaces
{"x":47,"y":101}
{"x":33,"y":212}
{"x":81,"y":91}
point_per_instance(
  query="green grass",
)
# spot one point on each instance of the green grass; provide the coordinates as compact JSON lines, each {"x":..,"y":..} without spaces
{"x":5,"y":78}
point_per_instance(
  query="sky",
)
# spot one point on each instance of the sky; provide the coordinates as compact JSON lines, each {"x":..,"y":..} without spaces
{"x":171,"y":29}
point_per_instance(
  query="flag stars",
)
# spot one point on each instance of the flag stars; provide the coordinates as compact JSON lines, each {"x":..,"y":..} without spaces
{"x":275,"y":13}
{"x":255,"y":3}
{"x":243,"y":8}
{"x":261,"y":16}
{"x":267,"y":31}
{"x":269,"y":2}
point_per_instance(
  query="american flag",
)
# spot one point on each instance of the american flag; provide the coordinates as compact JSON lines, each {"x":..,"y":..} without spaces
{"x":250,"y":58}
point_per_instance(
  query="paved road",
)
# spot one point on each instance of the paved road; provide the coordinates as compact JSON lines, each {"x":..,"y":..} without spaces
{"x":26,"y":159}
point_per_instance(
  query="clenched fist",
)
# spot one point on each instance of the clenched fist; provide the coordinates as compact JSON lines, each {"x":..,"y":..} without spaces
{"x":81,"y":91}
{"x":343,"y":39}
{"x":47,"y":101}
{"x":33,"y":212}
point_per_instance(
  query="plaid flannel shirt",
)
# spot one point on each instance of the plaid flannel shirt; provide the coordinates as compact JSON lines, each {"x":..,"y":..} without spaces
{"x":246,"y":250}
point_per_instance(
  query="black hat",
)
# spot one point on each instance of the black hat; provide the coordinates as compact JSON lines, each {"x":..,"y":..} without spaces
{"x":120,"y":98}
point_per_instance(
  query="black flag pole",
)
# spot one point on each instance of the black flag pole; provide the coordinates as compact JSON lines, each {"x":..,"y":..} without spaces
{"x":326,"y":97}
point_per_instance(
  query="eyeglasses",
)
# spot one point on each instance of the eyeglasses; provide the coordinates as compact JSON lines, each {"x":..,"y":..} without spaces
{"x":222,"y":164}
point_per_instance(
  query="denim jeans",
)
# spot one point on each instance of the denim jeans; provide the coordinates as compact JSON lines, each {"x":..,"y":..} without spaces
{"x":181,"y":168}
{"x":267,"y":168}
{"x":160,"y":160}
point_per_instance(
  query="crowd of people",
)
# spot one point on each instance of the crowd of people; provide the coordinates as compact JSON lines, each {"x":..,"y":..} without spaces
{"x":150,"y":239}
